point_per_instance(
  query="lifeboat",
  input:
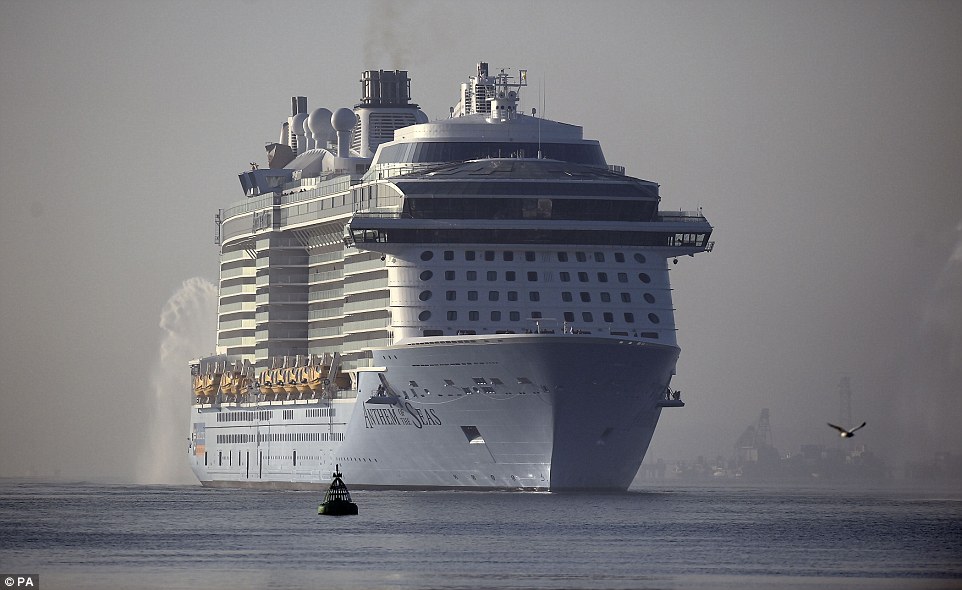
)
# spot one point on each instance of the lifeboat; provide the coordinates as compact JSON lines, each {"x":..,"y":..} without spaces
{"x":199,"y":385}
{"x":277,"y":381}
{"x":241,"y":384}
{"x":302,"y":379}
{"x":211,"y":383}
{"x":227,"y":383}
{"x":290,"y":379}
{"x":265,"y":382}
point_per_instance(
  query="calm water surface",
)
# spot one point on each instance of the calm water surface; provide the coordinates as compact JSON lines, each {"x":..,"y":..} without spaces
{"x":100,"y":536}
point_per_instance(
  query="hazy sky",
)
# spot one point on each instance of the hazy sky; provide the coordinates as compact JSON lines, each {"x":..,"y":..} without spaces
{"x":822,"y":139}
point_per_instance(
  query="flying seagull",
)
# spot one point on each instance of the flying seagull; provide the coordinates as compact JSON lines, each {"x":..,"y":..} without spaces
{"x":846,"y":433}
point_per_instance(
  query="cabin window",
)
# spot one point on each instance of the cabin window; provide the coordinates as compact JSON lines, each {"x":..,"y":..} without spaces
{"x":449,"y":275}
{"x":583,"y":277}
{"x":426,"y":275}
{"x":653,"y":318}
{"x":469,"y":255}
{"x":586,"y":316}
{"x":609,"y":317}
{"x":605,"y":297}
{"x":424,"y":315}
{"x":566,"y":296}
{"x":509,"y":275}
{"x":569,"y":316}
{"x":529,"y":256}
{"x":489,"y":255}
{"x":581,"y":257}
{"x":534,"y":296}
{"x":639,"y":258}
{"x":622,"y":277}
{"x":474,"y":316}
{"x":562,"y":257}
{"x":514,"y":316}
{"x":619,"y":256}
{"x":649,"y":298}
{"x":644,"y":278}
{"x":472,"y":275}
{"x":452,"y":316}
{"x":507,"y":256}
{"x":599,"y":256}
{"x":493,"y":295}
{"x":451,"y":295}
{"x":495,"y":316}
{"x":472,"y":295}
{"x":532,"y":275}
{"x":492,"y":275}
{"x":564,"y":276}
{"x":626,"y":297}
{"x":602,"y":277}
{"x":449,"y":254}
{"x":427,"y":255}
{"x":585,"y":297}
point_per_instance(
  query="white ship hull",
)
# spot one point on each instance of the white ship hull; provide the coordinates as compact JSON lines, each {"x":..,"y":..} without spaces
{"x":545,"y":411}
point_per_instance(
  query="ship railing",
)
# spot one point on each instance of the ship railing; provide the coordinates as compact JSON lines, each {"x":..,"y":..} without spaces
{"x":680,"y":215}
{"x":393,"y":169}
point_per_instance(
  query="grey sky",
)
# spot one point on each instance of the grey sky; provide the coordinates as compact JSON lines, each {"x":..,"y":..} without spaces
{"x":822,"y":139}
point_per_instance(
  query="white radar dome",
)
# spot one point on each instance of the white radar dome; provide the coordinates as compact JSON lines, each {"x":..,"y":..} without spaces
{"x":297,"y":126}
{"x":343,"y":119}
{"x":319,"y":122}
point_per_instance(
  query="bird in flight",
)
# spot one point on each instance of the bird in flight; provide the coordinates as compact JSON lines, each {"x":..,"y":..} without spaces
{"x":846,"y":433}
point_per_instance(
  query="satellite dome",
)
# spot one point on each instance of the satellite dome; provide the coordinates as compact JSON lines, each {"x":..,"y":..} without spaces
{"x":297,"y":123}
{"x":343,"y":119}
{"x":319,"y":122}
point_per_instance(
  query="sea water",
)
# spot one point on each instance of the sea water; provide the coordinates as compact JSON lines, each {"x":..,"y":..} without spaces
{"x":80,"y":535}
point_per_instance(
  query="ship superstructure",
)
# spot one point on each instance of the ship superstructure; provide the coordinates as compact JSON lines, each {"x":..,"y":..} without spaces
{"x":476,"y":301}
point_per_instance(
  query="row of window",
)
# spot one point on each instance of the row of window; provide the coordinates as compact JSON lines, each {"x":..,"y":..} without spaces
{"x":515,"y":316}
{"x":267,"y":414}
{"x":566,"y":296}
{"x":532,"y":276}
{"x":281,"y":437}
{"x":244,"y":416}
{"x":530,"y":256}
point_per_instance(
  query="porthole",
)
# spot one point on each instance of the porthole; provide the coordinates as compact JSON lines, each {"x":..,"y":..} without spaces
{"x":653,"y":318}
{"x":427,"y":255}
{"x":424,"y":296}
{"x":426,"y":275}
{"x":640,"y":258}
{"x":649,"y":298}
{"x":644,"y":277}
{"x":424,"y":315}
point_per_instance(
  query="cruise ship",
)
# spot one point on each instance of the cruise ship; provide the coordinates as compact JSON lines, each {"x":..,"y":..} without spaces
{"x":478,"y":301}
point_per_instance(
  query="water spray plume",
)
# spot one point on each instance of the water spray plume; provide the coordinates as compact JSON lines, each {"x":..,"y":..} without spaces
{"x":186,"y":322}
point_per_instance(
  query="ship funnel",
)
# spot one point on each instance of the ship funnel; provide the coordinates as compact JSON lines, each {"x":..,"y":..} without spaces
{"x":343,"y":121}
{"x":295,"y":123}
